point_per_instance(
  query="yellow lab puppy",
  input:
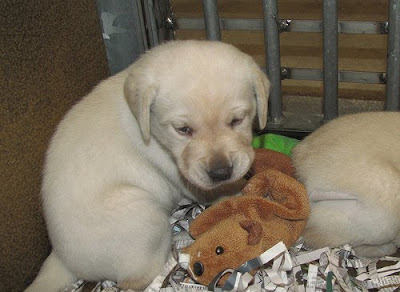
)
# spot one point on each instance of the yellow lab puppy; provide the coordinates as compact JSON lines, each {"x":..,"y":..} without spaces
{"x":351,"y":169}
{"x":177,"y":123}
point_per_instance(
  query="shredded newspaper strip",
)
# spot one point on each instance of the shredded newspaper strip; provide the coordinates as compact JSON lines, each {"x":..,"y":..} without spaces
{"x":277,"y":269}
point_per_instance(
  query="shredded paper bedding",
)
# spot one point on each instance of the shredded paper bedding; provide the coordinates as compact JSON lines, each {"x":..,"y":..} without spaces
{"x":277,"y":269}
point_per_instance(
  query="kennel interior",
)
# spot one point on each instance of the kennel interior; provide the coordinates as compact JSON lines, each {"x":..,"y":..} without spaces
{"x":324,"y":58}
{"x":49,"y":47}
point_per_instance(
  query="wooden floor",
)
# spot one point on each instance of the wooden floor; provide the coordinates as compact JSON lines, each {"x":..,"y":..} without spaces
{"x":357,"y":52}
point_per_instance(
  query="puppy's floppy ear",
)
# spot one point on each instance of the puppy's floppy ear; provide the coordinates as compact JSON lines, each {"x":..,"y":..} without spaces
{"x":261,"y":88}
{"x":140,"y":95}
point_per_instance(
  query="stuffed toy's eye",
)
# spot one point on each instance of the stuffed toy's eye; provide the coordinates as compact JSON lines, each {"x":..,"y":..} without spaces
{"x":219,"y":250}
{"x":198,"y":269}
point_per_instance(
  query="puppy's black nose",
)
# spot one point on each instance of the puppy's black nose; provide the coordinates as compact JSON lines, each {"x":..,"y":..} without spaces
{"x":220,"y":174}
{"x":198,"y":268}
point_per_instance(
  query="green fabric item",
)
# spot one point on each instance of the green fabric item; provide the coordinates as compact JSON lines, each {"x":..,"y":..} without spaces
{"x":275,"y":142}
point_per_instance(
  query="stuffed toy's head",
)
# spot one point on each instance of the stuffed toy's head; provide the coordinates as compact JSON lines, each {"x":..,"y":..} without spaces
{"x":274,"y":207}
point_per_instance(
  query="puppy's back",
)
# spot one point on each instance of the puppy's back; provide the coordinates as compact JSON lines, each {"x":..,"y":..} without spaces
{"x":350,"y":153}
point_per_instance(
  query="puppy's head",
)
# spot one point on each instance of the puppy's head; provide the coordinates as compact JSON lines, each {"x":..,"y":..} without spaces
{"x":198,"y":99}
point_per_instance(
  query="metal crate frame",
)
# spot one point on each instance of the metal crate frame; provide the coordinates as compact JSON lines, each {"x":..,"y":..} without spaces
{"x":147,"y":28}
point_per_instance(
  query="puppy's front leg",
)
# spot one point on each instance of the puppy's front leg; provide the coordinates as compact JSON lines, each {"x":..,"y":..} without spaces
{"x":140,"y":236}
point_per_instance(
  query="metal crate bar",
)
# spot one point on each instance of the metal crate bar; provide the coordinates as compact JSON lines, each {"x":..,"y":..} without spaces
{"x":211,"y":20}
{"x":393,"y":63}
{"x":287,"y":25}
{"x":344,"y":27}
{"x":224,"y":23}
{"x":272,"y":52}
{"x":151,"y":23}
{"x":343,"y":76}
{"x":124,"y":32}
{"x":330,"y":59}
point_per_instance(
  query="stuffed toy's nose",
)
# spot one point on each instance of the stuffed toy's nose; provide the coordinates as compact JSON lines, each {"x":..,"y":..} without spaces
{"x":198,"y":269}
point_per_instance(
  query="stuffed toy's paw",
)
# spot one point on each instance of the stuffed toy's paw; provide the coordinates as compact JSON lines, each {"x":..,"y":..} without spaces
{"x":238,"y":229}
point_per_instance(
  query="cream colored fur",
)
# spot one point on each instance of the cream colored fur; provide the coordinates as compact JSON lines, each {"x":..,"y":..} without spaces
{"x":351,"y":169}
{"x":142,"y":140}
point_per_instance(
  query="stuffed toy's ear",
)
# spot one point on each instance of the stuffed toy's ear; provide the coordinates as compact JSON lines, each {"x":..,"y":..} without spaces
{"x":140,"y":95}
{"x":288,"y":194}
{"x":254,"y":229}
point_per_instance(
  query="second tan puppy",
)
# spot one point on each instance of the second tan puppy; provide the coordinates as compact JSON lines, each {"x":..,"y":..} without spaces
{"x":351,"y":169}
{"x":177,"y":123}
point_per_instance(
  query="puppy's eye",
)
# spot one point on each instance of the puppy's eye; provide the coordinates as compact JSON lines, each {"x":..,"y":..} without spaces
{"x":185,"y":131}
{"x":219,"y":250}
{"x":235,"y":122}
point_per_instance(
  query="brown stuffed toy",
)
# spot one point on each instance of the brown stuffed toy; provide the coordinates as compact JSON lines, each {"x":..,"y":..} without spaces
{"x":274,"y":207}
